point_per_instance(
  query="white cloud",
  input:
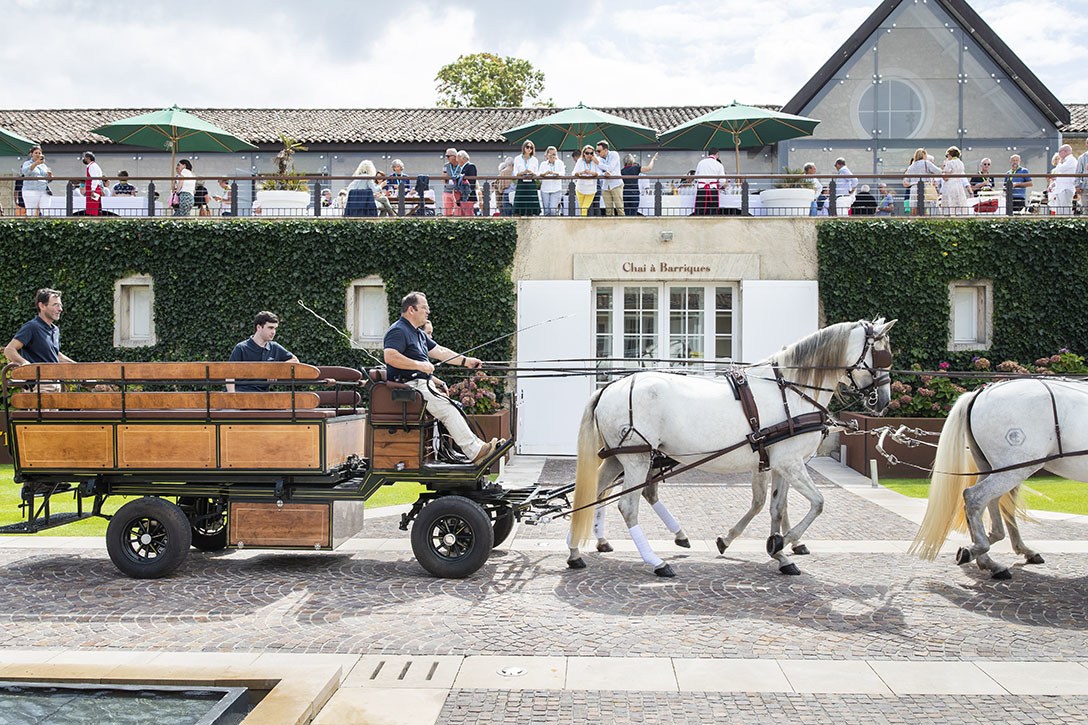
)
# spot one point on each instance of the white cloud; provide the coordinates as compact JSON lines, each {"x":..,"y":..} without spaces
{"x":348,"y":54}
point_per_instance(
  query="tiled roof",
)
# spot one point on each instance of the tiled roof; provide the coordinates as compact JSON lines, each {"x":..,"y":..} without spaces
{"x":1078,"y":118}
{"x":360,"y":125}
{"x":330,"y":125}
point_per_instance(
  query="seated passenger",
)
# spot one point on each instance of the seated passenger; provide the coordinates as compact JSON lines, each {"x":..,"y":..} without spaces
{"x":407,"y":349}
{"x":259,"y":347}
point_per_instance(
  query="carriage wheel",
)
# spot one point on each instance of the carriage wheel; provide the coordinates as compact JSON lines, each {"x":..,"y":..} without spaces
{"x":504,"y":524}
{"x":208,"y":522}
{"x":452,"y":537}
{"x":148,"y":538}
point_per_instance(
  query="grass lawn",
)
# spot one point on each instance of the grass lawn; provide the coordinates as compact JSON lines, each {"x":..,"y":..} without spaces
{"x":1048,"y":493}
{"x":10,"y":513}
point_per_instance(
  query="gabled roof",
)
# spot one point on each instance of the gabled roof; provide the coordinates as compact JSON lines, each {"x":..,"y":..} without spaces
{"x":1078,"y":118}
{"x":330,"y":125}
{"x":970,"y":21}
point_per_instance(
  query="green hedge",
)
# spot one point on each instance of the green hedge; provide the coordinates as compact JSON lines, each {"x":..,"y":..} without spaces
{"x":212,"y":277}
{"x":901,"y":268}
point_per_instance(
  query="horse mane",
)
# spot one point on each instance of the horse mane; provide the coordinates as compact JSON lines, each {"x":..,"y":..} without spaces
{"x":810,"y":360}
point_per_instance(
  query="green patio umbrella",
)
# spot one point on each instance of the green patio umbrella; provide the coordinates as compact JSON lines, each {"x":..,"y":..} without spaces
{"x":13,"y":144}
{"x":574,"y":127}
{"x":174,"y":129}
{"x":737,"y":126}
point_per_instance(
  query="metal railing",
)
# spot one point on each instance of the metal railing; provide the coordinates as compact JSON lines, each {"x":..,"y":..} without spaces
{"x":646,"y":196}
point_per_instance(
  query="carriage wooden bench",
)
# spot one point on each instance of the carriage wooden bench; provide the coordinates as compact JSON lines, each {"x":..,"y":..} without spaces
{"x":287,"y":468}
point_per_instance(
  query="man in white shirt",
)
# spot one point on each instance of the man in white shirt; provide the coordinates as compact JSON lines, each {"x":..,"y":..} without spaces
{"x":93,"y":189}
{"x":1061,"y":200}
{"x":846,"y":183}
{"x":611,"y":182}
{"x":709,"y":175}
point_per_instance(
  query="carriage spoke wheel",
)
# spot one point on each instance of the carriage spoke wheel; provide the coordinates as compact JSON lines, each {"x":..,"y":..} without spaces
{"x":452,"y":537}
{"x":148,"y":538}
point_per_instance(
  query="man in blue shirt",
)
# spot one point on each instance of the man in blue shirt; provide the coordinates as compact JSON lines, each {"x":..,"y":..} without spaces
{"x":1021,"y":182}
{"x":259,"y":347}
{"x":38,"y":341}
{"x":407,"y":360}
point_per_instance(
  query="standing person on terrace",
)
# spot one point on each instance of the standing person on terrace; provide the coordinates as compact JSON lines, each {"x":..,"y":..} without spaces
{"x":184,"y":187}
{"x":407,"y":350}
{"x":551,"y":188}
{"x":35,"y":189}
{"x":847,"y":183}
{"x":94,"y":189}
{"x":918,"y":166}
{"x":450,"y":170}
{"x":1082,"y":179}
{"x":1061,"y":200}
{"x":630,"y":173}
{"x":713,"y":176}
{"x":585,"y":186}
{"x":526,"y":166}
{"x":467,"y":184}
{"x":611,"y":180}
{"x":820,"y":201}
{"x":1021,"y":182}
{"x":954,"y":190}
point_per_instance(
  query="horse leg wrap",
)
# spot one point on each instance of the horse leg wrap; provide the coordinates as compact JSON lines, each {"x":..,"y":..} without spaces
{"x":666,"y":518}
{"x":643,"y":546}
{"x":598,"y":524}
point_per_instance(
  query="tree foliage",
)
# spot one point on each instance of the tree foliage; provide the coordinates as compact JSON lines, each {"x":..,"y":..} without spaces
{"x":486,"y":80}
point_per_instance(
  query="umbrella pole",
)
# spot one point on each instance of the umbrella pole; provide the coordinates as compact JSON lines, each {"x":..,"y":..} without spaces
{"x":736,"y":151}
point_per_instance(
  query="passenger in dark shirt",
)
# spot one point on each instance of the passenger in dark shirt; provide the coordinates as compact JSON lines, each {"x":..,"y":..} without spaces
{"x":38,"y":341}
{"x":259,"y":347}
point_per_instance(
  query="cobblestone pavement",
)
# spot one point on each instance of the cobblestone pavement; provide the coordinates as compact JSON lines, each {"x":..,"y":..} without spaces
{"x":474,"y":706}
{"x":844,"y":606}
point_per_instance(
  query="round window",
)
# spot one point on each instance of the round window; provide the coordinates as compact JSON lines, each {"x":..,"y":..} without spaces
{"x":891,"y":109}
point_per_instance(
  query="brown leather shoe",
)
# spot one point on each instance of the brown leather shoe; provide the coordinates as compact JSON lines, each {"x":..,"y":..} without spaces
{"x":486,"y":450}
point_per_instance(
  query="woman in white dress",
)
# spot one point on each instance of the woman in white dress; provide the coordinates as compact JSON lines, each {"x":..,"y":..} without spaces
{"x":918,"y":166}
{"x":954,"y":190}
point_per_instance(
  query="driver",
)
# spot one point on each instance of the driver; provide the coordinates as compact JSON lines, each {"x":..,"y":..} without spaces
{"x":407,"y":349}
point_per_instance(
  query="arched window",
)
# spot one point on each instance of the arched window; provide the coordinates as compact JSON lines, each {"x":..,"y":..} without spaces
{"x":891,"y":109}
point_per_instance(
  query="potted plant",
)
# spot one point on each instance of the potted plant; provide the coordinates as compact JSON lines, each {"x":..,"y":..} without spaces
{"x":790,"y":196}
{"x":481,"y":396}
{"x":286,"y":189}
{"x":923,"y":401}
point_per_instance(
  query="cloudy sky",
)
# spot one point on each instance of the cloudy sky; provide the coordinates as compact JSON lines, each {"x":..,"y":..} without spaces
{"x":356,"y":53}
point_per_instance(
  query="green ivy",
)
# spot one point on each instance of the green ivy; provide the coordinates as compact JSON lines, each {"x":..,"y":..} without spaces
{"x":901,"y":268}
{"x":212,"y":277}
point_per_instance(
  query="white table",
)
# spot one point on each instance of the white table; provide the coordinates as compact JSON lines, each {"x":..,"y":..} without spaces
{"x":119,"y":205}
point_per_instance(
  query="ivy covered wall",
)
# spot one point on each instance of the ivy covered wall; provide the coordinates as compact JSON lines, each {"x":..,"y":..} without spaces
{"x":212,"y":277}
{"x":901,"y":269}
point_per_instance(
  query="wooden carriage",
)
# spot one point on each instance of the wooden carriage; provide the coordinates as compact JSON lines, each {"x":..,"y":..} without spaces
{"x":287,"y":468}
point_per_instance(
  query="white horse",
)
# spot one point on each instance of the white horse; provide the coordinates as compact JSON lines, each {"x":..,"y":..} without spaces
{"x":994,"y":438}
{"x":702,"y":421}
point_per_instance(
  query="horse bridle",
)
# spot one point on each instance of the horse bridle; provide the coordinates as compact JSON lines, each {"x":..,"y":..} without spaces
{"x":878,"y":366}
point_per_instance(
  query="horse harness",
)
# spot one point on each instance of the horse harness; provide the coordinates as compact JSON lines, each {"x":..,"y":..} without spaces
{"x":760,"y":438}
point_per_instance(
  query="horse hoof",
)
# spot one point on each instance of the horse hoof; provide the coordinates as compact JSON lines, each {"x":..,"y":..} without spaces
{"x":1002,"y":575}
{"x":604,"y":548}
{"x":665,"y":571}
{"x":963,"y":555}
{"x":576,"y":563}
{"x":1036,"y":559}
{"x":683,"y":543}
{"x":722,"y":546}
{"x":800,"y":550}
{"x":775,"y":542}
{"x":789,"y":569}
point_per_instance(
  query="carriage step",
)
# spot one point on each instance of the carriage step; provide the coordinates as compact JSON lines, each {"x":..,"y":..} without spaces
{"x":54,"y":520}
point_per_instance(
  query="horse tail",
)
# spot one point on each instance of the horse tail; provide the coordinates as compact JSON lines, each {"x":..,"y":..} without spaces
{"x":585,"y":487}
{"x":945,"y":508}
